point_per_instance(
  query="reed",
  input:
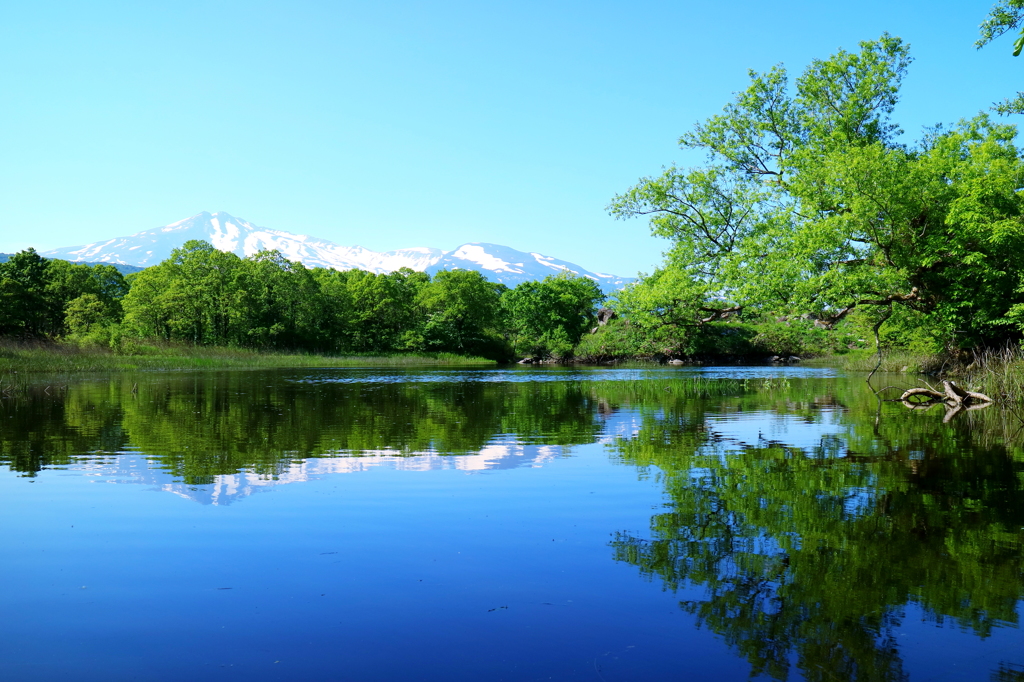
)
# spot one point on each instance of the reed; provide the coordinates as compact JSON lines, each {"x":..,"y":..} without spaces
{"x":684,"y":387}
{"x":892,"y":361}
{"x":998,"y":373}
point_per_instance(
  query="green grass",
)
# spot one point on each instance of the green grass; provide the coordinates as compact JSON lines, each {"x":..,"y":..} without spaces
{"x":62,"y":358}
{"x":892,"y":361}
{"x":998,"y":374}
{"x":684,"y":387}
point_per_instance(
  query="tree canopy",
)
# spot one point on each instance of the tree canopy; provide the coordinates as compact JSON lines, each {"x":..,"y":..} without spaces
{"x":43,"y":297}
{"x":203,"y":296}
{"x":551,"y":315}
{"x":810,"y":203}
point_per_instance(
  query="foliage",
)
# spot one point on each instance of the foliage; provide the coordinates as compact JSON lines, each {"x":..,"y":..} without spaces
{"x":205,"y":297}
{"x":800,"y":337}
{"x":461,"y":311}
{"x":1005,"y":16}
{"x":618,"y":339}
{"x":809,"y":204}
{"x":22,"y":294}
{"x":375,"y":312}
{"x":549,"y":317}
{"x":36,"y":294}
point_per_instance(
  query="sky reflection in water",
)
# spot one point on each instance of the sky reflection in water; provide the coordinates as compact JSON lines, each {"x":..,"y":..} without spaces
{"x":506,"y":524}
{"x":556,"y":373}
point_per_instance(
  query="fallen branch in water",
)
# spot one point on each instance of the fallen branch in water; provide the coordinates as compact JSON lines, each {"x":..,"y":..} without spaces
{"x":951,"y":392}
{"x":933,"y":396}
{"x":954,"y":398}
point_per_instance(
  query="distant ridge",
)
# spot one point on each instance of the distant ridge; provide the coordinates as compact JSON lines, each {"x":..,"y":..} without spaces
{"x":122,"y":268}
{"x":227,"y":233}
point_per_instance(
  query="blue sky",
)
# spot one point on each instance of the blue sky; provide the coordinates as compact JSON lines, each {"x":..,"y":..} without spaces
{"x":399,"y":124}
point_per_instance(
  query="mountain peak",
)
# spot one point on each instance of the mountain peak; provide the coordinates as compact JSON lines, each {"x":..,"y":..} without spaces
{"x":229,"y":233}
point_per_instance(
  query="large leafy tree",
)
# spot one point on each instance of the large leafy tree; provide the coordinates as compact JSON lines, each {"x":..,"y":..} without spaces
{"x":79,"y":297}
{"x":548,"y":317}
{"x":37,"y":293}
{"x":809,"y":203}
{"x":278,"y":303}
{"x":23,"y":304}
{"x":461,"y":308}
{"x":376,"y":312}
{"x":192,"y":296}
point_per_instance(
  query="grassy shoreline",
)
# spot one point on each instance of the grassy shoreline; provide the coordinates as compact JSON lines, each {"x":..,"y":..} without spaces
{"x":998,"y":373}
{"x":894,"y":361}
{"x":64,"y":358}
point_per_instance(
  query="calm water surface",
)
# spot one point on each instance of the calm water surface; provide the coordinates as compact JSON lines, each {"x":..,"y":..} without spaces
{"x":522,"y":524}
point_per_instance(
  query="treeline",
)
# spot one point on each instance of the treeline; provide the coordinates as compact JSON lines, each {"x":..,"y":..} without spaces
{"x":204,"y":296}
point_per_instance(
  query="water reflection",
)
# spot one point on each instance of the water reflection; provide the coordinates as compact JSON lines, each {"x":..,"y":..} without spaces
{"x":811,"y":543}
{"x":132,"y":467}
{"x":200,"y":427}
{"x":556,"y":373}
{"x":803,"y":519}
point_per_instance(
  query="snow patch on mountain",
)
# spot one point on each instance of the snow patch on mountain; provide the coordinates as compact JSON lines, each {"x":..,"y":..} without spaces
{"x":227,"y":233}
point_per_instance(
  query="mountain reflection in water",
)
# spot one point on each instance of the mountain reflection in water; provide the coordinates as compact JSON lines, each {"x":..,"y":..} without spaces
{"x":130,"y":467}
{"x":805,"y":523}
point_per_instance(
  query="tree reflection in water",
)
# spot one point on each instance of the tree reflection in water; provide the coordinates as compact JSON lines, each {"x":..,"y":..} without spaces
{"x":812,"y":554}
{"x":808,"y":551}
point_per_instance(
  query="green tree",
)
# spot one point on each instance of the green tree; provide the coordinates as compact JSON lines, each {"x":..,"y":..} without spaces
{"x":809,"y":204}
{"x":461,"y":309}
{"x":148,"y":308}
{"x":378,"y":313}
{"x":23,"y":300}
{"x":192,"y":296}
{"x":67,"y":282}
{"x":336,"y":304}
{"x":548,"y":317}
{"x":277,"y":303}
{"x":88,"y":318}
{"x":203,"y":292}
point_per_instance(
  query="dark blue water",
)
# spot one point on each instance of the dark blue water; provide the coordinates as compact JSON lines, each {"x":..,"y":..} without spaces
{"x":505,"y":525}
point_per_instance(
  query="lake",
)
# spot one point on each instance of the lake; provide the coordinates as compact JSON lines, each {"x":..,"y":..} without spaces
{"x":506,"y":524}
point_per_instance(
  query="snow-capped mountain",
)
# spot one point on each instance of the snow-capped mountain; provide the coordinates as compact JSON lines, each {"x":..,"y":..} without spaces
{"x":227,"y":233}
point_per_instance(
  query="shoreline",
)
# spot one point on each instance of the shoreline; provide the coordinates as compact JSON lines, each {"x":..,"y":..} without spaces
{"x":32,"y":357}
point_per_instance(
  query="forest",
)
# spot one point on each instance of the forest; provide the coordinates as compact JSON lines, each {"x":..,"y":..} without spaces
{"x":204,"y":297}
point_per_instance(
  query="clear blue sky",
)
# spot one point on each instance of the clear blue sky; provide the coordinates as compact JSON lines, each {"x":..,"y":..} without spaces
{"x":398,"y":124}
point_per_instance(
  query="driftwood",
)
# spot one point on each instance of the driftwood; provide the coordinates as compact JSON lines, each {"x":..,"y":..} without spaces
{"x":954,"y":398}
{"x":932,"y":395}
